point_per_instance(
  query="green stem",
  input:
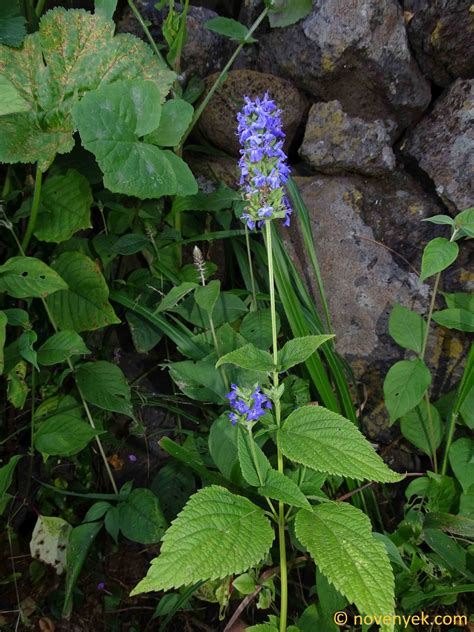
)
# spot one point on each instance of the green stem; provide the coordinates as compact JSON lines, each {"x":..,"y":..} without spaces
{"x":252,"y":278}
{"x":281,"y":506}
{"x":220,"y":79}
{"x":430,"y":314}
{"x":34,"y":209}
{"x":39,"y":7}
{"x":146,"y":30}
{"x":7,"y":184}
{"x":434,"y":458}
{"x":449,"y":439}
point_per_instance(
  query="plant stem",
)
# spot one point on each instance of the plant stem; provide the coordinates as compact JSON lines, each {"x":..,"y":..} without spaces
{"x":252,"y":278}
{"x":430,"y":314}
{"x":281,"y":506}
{"x":39,"y":7}
{"x":220,"y":79}
{"x":449,"y":439}
{"x":146,"y":30}
{"x":34,"y":208}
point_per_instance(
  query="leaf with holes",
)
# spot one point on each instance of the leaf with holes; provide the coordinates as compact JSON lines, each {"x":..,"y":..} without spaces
{"x":326,"y":442}
{"x":404,"y":386}
{"x":216,"y":534}
{"x":28,"y":277}
{"x":340,"y":540}
{"x":104,"y":385}
{"x":52,"y":77}
{"x":61,"y":346}
{"x":84,"y":306}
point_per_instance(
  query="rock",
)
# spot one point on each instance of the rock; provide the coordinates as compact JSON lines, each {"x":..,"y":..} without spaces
{"x":204,"y":52}
{"x":355,"y":51}
{"x":441,"y":33}
{"x":443,"y":145}
{"x":368,"y":235}
{"x":335,"y":142}
{"x":218,"y":122}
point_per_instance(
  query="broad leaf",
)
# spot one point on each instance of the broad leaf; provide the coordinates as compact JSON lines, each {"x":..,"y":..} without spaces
{"x":217,"y":534}
{"x":223,"y":447}
{"x":199,"y":380}
{"x":326,"y":442}
{"x":176,"y":116}
{"x":105,"y":8}
{"x":141,"y":518}
{"x":299,"y":350}
{"x":404,"y":386}
{"x":459,"y":319}
{"x":51,"y":77}
{"x":64,"y":208}
{"x":280,"y":487}
{"x":111,"y":121}
{"x":439,"y":219}
{"x":61,"y":346}
{"x":10,"y":99}
{"x":26,"y":347}
{"x":63,"y":434}
{"x":6,"y":477}
{"x":206,"y":296}
{"x":340,"y":540}
{"x":145,"y":335}
{"x":248,"y":357}
{"x":17,"y":317}
{"x":461,"y":459}
{"x":459,"y":300}
{"x":256,"y":327}
{"x":25,"y":277}
{"x":438,"y":255}
{"x":407,"y":328}
{"x":416,"y":427}
{"x":465,"y":221}
{"x":287,"y":12}
{"x":12,"y":23}
{"x":104,"y":385}
{"x":175,"y":295}
{"x":229,"y":28}
{"x":84,"y":306}
{"x":130,"y":244}
{"x":185,"y":181}
{"x":253,"y":462}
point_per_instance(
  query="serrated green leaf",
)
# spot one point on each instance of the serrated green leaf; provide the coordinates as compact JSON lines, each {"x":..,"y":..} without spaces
{"x":461,"y":459}
{"x":61,"y":346}
{"x":84,"y":306}
{"x":11,"y":100}
{"x":176,"y":116}
{"x":465,"y":221}
{"x":104,"y":385}
{"x":217,"y":534}
{"x":229,"y":28}
{"x":28,"y":277}
{"x":51,"y":77}
{"x":404,"y":387}
{"x":256,"y":327}
{"x":339,"y":538}
{"x":65,"y":207}
{"x":248,"y":357}
{"x":455,"y":318}
{"x":3,"y":331}
{"x":407,"y":328}
{"x":206,"y":296}
{"x":280,"y":487}
{"x":326,"y":442}
{"x":299,"y":350}
{"x":416,"y":427}
{"x":438,"y":255}
{"x":140,"y":517}
{"x":63,"y":434}
{"x":111,"y":121}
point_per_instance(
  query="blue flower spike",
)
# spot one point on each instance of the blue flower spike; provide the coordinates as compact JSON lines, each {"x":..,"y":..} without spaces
{"x":247,"y":405}
{"x":263,"y":163}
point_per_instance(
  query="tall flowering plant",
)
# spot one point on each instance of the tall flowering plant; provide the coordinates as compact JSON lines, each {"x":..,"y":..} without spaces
{"x":220,"y":534}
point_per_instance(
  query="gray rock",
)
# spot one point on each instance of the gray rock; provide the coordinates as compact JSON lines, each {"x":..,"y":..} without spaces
{"x":443,"y":145}
{"x":218,"y":122}
{"x":441,"y":33}
{"x":368,"y":236}
{"x":335,"y":142}
{"x":205,"y":52}
{"x":355,"y":51}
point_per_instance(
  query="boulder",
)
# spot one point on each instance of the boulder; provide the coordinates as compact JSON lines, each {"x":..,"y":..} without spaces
{"x":369,"y":239}
{"x":335,"y":142}
{"x":218,"y":122}
{"x":355,"y":51}
{"x":443,"y":145}
{"x":204,"y":52}
{"x":441,"y":33}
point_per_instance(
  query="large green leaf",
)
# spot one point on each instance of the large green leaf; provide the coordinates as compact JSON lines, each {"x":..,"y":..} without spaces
{"x":407,"y":328}
{"x":64,"y":208}
{"x":6,"y":477}
{"x":63,"y":434}
{"x":72,"y":53}
{"x":199,"y":380}
{"x":404,"y":386}
{"x":326,"y":442}
{"x":25,"y":277}
{"x":104,"y":385}
{"x":287,"y":12}
{"x":84,"y":306}
{"x":61,"y":346}
{"x":465,"y":221}
{"x":417,"y":428}
{"x":141,"y":518}
{"x":438,"y":255}
{"x":461,"y":458}
{"x":299,"y":350}
{"x":339,"y":538}
{"x":248,"y":357}
{"x":176,"y":115}
{"x":12,"y":23}
{"x":10,"y":99}
{"x":216,"y":534}
{"x":455,"y":318}
{"x":256,"y":327}
{"x":111,"y":121}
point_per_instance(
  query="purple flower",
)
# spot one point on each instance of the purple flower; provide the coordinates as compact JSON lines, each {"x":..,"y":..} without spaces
{"x":263,"y":168}
{"x":132,"y":458}
{"x":101,"y":586}
{"x":247,"y":405}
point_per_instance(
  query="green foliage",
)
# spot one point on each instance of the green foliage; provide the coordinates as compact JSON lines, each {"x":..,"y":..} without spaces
{"x":407,"y":328}
{"x":217,"y":534}
{"x":339,"y":538}
{"x":326,"y":442}
{"x":404,"y":387}
{"x":423,"y":430}
{"x":461,"y":458}
{"x":6,"y":476}
{"x":25,"y":277}
{"x":438,"y":255}
{"x":141,"y":518}
{"x":176,"y":116}
{"x":248,"y":357}
{"x":299,"y":350}
{"x":104,"y":385}
{"x":287,"y":12}
{"x":61,"y":346}
{"x":455,"y":318}
{"x":230,"y":28}
{"x":12,"y":24}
